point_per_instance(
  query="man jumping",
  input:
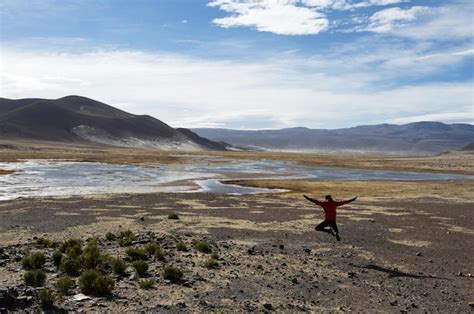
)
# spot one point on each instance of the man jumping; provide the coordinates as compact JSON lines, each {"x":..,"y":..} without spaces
{"x":329,"y":206}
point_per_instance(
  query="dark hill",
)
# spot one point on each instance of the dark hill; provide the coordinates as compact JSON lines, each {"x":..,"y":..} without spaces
{"x":79,"y":119}
{"x":411,"y":138}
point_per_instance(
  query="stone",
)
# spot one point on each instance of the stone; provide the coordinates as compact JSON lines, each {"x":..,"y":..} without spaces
{"x":268,"y":306}
{"x":81,"y":297}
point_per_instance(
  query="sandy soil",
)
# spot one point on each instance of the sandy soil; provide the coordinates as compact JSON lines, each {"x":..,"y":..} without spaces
{"x":401,"y":255}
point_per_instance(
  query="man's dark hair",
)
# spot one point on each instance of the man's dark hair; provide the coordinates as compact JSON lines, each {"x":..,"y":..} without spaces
{"x":328,"y":197}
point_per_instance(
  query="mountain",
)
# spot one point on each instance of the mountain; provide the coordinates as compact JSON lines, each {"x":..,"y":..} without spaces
{"x":80,"y":119}
{"x":412,"y":138}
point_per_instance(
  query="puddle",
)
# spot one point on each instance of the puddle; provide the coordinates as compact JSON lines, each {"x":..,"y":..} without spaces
{"x":35,"y":178}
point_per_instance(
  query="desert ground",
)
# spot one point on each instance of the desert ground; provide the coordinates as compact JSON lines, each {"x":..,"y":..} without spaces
{"x":406,"y":245}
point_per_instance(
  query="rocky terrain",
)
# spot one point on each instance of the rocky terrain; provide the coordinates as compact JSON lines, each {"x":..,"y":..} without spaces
{"x":405,"y":255}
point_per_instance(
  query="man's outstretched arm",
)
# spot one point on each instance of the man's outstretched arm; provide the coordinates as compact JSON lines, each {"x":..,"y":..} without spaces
{"x":352,"y":199}
{"x":346,"y":202}
{"x":312,"y":200}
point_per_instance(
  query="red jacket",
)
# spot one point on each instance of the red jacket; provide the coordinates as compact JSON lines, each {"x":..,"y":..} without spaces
{"x":329,"y":207}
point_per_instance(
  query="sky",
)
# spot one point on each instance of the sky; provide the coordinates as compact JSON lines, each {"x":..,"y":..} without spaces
{"x":247,"y":64}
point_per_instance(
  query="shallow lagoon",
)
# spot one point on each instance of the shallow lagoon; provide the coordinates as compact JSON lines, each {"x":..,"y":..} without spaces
{"x":65,"y":178}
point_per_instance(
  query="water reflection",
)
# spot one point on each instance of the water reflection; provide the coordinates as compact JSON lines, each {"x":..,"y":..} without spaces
{"x":58,"y":177}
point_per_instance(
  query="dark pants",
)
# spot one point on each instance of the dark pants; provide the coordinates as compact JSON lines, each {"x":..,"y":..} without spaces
{"x":325,"y":224}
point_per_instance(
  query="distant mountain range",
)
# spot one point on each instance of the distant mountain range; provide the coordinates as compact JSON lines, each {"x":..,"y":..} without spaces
{"x":79,"y":119}
{"x":412,"y":138}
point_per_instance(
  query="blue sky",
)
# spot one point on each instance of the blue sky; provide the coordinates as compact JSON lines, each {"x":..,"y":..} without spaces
{"x":247,"y":64}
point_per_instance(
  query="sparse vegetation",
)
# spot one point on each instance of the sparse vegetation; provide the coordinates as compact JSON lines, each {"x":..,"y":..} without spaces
{"x":145,"y":284}
{"x":211,"y":263}
{"x":46,"y":297}
{"x":35,"y":278}
{"x":71,"y":266}
{"x":72,"y":248}
{"x":91,"y":282}
{"x":110,"y":236}
{"x":172,"y":273}
{"x":215,"y":256}
{"x":118,"y":265}
{"x":155,"y":249}
{"x":135,"y":254}
{"x":90,"y":257}
{"x":64,"y":285}
{"x":141,"y":267}
{"x":151,"y":248}
{"x":44,"y":242}
{"x":57,"y":258}
{"x":181,"y":246}
{"x":202,"y":246}
{"x":126,"y":238}
{"x":34,"y":261}
{"x":173,"y":216}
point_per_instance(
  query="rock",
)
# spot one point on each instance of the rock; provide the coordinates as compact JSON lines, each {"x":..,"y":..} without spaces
{"x":268,"y":306}
{"x":307,"y":251}
{"x":471,"y":304}
{"x":282,"y":247}
{"x":418,"y":254}
{"x":81,"y":297}
{"x":294,"y":280}
{"x":460,"y":273}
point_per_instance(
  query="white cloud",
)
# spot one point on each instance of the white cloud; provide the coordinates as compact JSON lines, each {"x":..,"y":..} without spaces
{"x":449,"y":117}
{"x":345,"y":5}
{"x":452,"y":21}
{"x":282,"y":17}
{"x":286,"y":17}
{"x":332,"y":90}
{"x":385,"y":20}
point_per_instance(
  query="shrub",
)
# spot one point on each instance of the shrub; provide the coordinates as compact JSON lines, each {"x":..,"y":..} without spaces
{"x":44,"y":242}
{"x":110,"y":236}
{"x":211,"y":263}
{"x":126,"y":238}
{"x":104,"y":262}
{"x":71,"y":266}
{"x":35,"y":278}
{"x":34,"y":261}
{"x":57,"y":258}
{"x":150,"y":248}
{"x":181,"y":246}
{"x":145,"y":283}
{"x":160,"y":254}
{"x":72,"y":247}
{"x":141,"y":267}
{"x":46,"y":297}
{"x":202,"y":246}
{"x":64,"y":284}
{"x":91,"y":282}
{"x":173,"y":216}
{"x":90,"y":257}
{"x":118,"y":265}
{"x":136,"y":254}
{"x":173,"y":274}
{"x":215,"y":256}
